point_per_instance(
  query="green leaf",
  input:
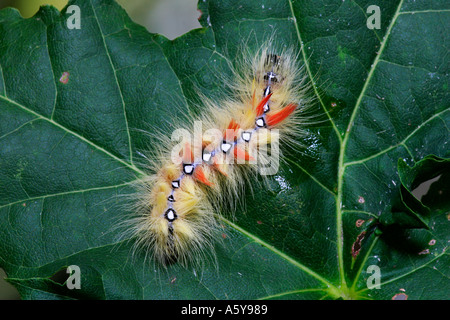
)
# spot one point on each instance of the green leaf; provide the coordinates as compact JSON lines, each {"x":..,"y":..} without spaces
{"x":408,"y":211}
{"x":75,"y":105}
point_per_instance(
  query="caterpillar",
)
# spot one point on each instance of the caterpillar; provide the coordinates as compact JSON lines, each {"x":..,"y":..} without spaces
{"x":237,"y":138}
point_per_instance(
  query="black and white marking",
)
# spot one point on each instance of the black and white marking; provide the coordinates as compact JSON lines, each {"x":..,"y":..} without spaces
{"x":176,"y":184}
{"x":270,"y":77}
{"x":246,"y":136}
{"x":260,"y":122}
{"x":170,"y":215}
{"x":207,"y":156}
{"x":188,"y":168}
{"x":226,"y":147}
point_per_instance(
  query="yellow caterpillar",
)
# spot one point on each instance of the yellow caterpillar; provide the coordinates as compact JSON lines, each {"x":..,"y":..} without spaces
{"x":177,"y":206}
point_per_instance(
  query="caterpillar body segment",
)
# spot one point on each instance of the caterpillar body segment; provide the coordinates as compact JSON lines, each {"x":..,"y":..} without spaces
{"x":177,"y":221}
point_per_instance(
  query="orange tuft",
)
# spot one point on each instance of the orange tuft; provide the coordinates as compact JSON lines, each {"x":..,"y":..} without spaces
{"x":234,"y":127}
{"x":274,"y":119}
{"x":260,"y":106}
{"x":242,"y":154}
{"x":200,"y":176}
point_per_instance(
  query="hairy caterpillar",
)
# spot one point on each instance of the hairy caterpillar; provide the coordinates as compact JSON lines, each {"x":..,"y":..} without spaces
{"x":234,"y":139}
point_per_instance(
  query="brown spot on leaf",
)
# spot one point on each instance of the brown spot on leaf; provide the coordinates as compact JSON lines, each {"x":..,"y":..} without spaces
{"x":426,"y":251}
{"x":432,"y":242}
{"x":361,"y":199}
{"x":356,"y":246}
{"x":64,"y":78}
{"x":400,"y":296}
{"x":359,"y":222}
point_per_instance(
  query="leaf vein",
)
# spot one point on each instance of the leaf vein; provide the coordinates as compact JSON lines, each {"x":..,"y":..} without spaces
{"x":116,"y":81}
{"x":279,"y":253}
{"x":129,"y":165}
{"x":308,"y":69}
{"x":43,"y":197}
{"x":437,"y":115}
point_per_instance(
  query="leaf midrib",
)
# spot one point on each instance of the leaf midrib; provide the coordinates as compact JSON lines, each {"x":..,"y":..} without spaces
{"x":343,"y":142}
{"x":343,"y":146}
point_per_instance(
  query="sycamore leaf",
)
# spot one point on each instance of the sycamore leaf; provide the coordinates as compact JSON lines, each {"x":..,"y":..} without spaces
{"x":74,"y":104}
